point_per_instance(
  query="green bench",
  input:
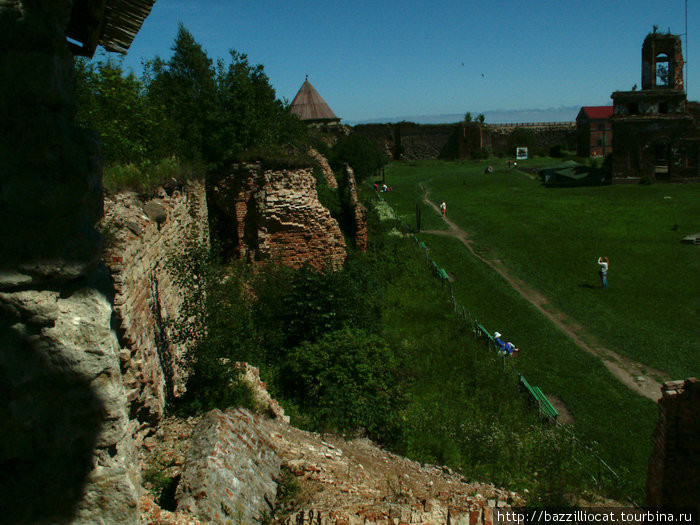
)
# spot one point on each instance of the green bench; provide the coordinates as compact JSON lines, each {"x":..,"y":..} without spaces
{"x":545,"y":408}
{"x":482,"y":332}
{"x":442,"y":274}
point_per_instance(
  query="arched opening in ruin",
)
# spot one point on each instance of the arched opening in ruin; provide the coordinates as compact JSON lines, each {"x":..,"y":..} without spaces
{"x":662,"y":70}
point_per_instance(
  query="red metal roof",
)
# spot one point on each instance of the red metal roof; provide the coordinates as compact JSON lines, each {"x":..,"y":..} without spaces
{"x":598,"y":112}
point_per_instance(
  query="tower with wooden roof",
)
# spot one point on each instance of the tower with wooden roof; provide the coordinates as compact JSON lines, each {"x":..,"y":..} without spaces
{"x":310,"y":106}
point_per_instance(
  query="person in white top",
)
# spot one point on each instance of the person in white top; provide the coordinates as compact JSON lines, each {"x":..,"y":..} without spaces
{"x":604,"y":264}
{"x":443,"y":208}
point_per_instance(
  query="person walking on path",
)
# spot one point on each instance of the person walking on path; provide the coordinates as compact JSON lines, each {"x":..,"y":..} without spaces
{"x":604,"y":264}
{"x":443,"y":208}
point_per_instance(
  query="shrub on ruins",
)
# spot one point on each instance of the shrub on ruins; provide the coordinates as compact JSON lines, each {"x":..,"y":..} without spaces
{"x":347,"y":381}
{"x":215,"y":325}
{"x":363,"y":155}
{"x":294,"y":306}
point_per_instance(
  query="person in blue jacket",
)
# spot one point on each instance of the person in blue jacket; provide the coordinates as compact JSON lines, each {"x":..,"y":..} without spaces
{"x":502,"y":346}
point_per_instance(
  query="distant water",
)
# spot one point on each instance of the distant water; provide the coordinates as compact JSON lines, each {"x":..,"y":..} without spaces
{"x":560,"y":114}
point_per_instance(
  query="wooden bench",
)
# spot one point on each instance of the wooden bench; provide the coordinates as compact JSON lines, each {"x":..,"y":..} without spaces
{"x":545,"y":408}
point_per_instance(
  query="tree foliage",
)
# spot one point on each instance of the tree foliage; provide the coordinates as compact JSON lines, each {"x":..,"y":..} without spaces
{"x":186,"y":85}
{"x":114,"y":103}
{"x":363,"y":155}
{"x":184,"y":107}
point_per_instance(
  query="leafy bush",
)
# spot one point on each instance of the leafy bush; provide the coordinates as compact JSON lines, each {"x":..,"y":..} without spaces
{"x":363,"y":155}
{"x":345,"y":381}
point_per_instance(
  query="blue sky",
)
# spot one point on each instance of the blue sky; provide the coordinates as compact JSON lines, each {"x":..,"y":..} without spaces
{"x":386,"y":58}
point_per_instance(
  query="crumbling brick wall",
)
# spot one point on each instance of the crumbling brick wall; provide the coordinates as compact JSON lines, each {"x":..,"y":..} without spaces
{"x":673,"y":479}
{"x":275,"y":215}
{"x":358,"y":210}
{"x":141,"y":236}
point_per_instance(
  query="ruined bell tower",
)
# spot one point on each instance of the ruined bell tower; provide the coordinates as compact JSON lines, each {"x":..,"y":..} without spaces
{"x":655,"y":135}
{"x":662,"y":62}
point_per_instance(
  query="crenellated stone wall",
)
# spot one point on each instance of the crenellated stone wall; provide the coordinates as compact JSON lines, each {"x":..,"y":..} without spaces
{"x":142,"y":235}
{"x":275,"y":214}
{"x":673,"y":479}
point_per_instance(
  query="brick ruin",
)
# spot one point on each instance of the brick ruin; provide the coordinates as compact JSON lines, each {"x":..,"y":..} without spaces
{"x":142,"y":234}
{"x":673,"y":479}
{"x":656,"y":131}
{"x":274,"y":214}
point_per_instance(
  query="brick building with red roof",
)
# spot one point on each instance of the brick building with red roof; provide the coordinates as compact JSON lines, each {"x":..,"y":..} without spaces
{"x":594,"y":131}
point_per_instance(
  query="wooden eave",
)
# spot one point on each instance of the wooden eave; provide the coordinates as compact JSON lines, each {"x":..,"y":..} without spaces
{"x":113,"y":24}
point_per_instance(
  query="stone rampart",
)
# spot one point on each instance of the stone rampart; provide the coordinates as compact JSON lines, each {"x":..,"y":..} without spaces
{"x":409,"y":141}
{"x":141,"y":237}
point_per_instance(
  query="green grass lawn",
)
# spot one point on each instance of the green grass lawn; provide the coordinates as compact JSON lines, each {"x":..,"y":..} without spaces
{"x":605,"y":411}
{"x":552,"y":237}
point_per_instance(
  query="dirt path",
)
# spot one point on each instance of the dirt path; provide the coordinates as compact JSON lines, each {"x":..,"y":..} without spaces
{"x":638,"y":377}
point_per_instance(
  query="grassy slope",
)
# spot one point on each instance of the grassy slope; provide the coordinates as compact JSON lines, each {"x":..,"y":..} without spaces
{"x":551,"y":238}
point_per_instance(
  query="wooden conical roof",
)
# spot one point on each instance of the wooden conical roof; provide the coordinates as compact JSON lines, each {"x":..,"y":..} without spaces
{"x":310,"y":106}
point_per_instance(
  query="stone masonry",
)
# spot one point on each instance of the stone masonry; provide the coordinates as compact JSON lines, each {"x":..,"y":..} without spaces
{"x":673,"y":479}
{"x":230,"y":470}
{"x":276,"y":214}
{"x":325,"y":168}
{"x":66,"y":455}
{"x":141,"y":236}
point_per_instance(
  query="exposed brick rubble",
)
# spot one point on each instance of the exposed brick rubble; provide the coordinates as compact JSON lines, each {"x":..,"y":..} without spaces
{"x":356,"y":482}
{"x":673,"y":479}
{"x":261,"y":396}
{"x":359,"y":211}
{"x":231,"y":462}
{"x":325,"y":168}
{"x":276,"y":214}
{"x":140,"y":238}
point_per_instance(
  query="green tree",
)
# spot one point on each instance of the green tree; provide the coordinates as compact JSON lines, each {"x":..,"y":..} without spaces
{"x":113,"y":103}
{"x":363,"y":155}
{"x":250,"y":114}
{"x":186,"y":86}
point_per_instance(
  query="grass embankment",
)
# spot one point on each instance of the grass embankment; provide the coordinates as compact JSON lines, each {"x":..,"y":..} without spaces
{"x":551,"y":239}
{"x":464,"y":410}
